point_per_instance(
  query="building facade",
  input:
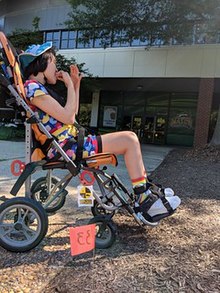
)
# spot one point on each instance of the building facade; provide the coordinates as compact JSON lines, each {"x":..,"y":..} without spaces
{"x":166,"y":94}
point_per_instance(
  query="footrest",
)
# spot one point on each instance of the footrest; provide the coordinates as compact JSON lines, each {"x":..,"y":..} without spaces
{"x":159,"y":217}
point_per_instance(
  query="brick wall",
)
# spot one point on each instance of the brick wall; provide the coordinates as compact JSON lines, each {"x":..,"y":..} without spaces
{"x":206,"y":89}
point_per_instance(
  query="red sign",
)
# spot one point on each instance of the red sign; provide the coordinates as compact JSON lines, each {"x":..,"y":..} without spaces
{"x":87,"y":178}
{"x":82,"y":239}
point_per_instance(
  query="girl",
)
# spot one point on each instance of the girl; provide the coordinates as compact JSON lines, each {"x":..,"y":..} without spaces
{"x":38,"y":64}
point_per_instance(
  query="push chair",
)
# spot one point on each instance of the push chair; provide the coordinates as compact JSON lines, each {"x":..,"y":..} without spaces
{"x":111,"y":196}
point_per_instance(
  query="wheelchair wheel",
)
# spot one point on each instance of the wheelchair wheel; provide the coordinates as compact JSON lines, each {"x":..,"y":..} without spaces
{"x":23,"y":224}
{"x":39,"y":192}
{"x":98,"y":210}
{"x":105,"y":232}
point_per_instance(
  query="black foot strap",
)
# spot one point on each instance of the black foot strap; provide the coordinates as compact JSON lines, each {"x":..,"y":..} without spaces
{"x":148,"y":202}
{"x":166,"y":203}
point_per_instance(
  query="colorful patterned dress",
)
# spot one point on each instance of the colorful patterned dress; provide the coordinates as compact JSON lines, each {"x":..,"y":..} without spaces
{"x":62,"y":132}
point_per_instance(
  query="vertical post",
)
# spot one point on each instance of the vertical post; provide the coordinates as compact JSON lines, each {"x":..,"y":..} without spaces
{"x":28,"y":146}
{"x":49,"y":181}
{"x":95,"y":109}
{"x":206,"y":89}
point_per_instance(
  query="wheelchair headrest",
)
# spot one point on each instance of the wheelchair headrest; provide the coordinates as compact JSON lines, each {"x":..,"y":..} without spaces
{"x":12,"y":71}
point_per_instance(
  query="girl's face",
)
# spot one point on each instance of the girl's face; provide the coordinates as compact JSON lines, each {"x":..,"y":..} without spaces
{"x":50,"y":72}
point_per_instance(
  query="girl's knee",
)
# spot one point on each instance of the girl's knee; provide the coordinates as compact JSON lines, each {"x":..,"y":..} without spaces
{"x":132,"y":136}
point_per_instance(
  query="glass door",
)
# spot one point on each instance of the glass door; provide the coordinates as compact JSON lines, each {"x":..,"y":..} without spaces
{"x":149,"y":129}
{"x":137,"y":125}
{"x":155,"y":129}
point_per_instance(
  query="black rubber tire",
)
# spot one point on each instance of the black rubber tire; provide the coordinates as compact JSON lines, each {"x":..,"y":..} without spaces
{"x":35,"y":210}
{"x":40,"y":185}
{"x":97,"y":210}
{"x":108,"y":236}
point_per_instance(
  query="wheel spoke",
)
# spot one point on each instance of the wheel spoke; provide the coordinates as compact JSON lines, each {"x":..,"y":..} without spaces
{"x":8,"y":231}
{"x":19,"y":215}
{"x":24,"y":216}
{"x":6,"y":225}
{"x":9,"y":228}
{"x":26,"y":234}
{"x":29,"y":229}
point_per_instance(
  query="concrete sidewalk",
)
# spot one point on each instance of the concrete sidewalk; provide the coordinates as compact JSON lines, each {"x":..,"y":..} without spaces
{"x":10,"y":150}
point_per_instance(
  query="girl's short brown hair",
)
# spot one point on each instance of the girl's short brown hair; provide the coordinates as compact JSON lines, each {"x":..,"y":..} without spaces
{"x":39,"y":64}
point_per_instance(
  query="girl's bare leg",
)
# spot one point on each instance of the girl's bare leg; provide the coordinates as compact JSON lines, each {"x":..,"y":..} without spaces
{"x":125,"y":143}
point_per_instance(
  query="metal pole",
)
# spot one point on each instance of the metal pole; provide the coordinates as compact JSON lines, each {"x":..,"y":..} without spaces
{"x":28,"y":146}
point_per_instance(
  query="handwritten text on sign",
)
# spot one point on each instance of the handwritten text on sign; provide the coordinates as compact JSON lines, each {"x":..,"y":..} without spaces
{"x":82,"y":239}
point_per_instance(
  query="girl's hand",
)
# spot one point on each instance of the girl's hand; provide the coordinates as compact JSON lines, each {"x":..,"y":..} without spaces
{"x":75,"y":75}
{"x":65,"y":77}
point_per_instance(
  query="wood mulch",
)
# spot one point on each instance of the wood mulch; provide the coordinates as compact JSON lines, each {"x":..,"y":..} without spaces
{"x":182,"y":254}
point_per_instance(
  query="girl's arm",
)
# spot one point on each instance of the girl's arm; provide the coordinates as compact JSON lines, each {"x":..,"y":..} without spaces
{"x":50,"y":106}
{"x":76,"y":77}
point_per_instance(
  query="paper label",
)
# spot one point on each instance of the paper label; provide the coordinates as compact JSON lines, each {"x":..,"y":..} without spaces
{"x":85,"y":196}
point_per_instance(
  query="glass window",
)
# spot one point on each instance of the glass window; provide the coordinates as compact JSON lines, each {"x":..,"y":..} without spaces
{"x":150,"y":111}
{"x":116,"y":42}
{"x":153,"y":111}
{"x":53,"y":37}
{"x":72,"y":34}
{"x":139,"y":42}
{"x":135,"y":42}
{"x":56,"y":43}
{"x":181,"y":121}
{"x":98,"y":43}
{"x":134,"y":98}
{"x":72,"y":44}
{"x":111,"y":98}
{"x":86,"y":97}
{"x":65,"y":35}
{"x":183,"y":100}
{"x":88,"y":43}
{"x":158,"y":42}
{"x":64,"y":44}
{"x":68,"y":39}
{"x":181,"y":126}
{"x":144,"y":42}
{"x":182,"y":116}
{"x":158,"y":99}
{"x":119,"y":39}
{"x":85,"y":114}
{"x":49,"y":37}
{"x":102,"y":38}
{"x":56,"y":35}
{"x":133,"y":110}
{"x":116,"y":39}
